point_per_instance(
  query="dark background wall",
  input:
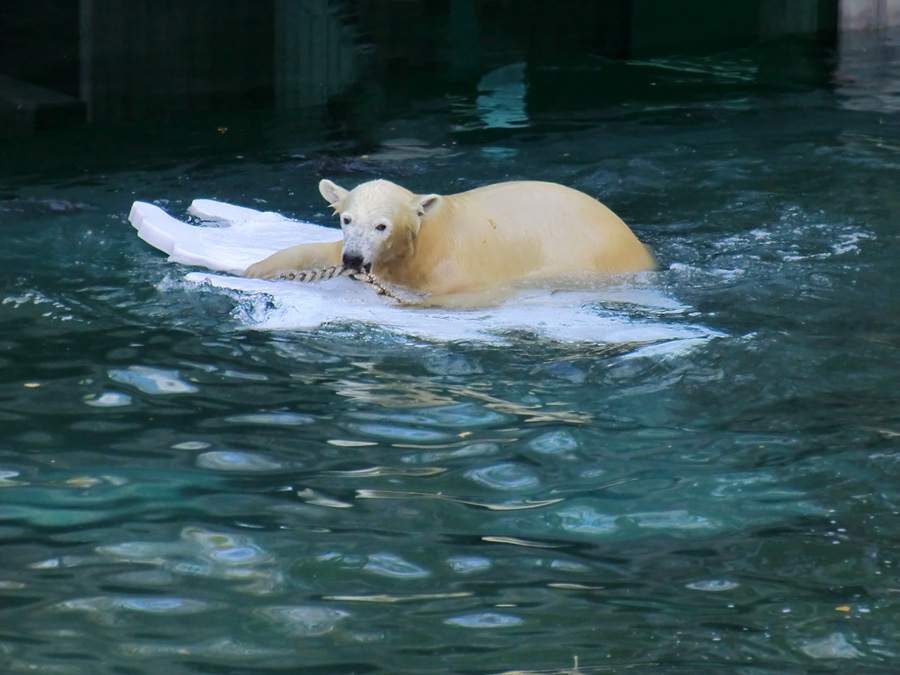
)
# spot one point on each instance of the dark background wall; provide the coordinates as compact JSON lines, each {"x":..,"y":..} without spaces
{"x":67,"y":62}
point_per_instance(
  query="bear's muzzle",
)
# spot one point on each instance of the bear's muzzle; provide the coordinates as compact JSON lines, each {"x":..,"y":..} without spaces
{"x":356,"y":262}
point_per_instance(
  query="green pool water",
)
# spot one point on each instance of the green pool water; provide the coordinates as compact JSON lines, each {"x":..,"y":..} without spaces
{"x":182,"y":491}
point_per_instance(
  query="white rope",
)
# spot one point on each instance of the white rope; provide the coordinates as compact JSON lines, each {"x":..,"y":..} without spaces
{"x":326,"y":273}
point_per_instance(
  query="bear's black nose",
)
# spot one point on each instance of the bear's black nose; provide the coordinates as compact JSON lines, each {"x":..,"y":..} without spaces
{"x":350,"y":260}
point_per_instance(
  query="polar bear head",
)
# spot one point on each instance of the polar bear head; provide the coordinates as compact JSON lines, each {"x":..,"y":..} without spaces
{"x":380,"y":220}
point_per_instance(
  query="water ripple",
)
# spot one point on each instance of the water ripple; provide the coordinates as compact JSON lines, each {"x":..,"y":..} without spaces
{"x":462,"y":415}
{"x":102,"y":605}
{"x":282,"y":419}
{"x":391,"y":565}
{"x":238,"y":555}
{"x":303,"y":621}
{"x":233,"y":460}
{"x":485,"y":620}
{"x":588,"y":520}
{"x":834,"y":646}
{"x":8,"y":479}
{"x":109,"y":399}
{"x":554,"y":442}
{"x":400,"y":433}
{"x":141,"y":551}
{"x":468,"y":564}
{"x":225,"y":548}
{"x":204,"y":553}
{"x":473,"y":450}
{"x":226,"y":649}
{"x":507,"y":476}
{"x":152,"y":380}
{"x":713,"y":585}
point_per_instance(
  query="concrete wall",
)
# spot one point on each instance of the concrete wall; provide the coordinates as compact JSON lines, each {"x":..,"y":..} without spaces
{"x":868,"y":14}
{"x":145,"y":58}
{"x":314,"y":54}
{"x":662,"y":27}
{"x":778,"y":18}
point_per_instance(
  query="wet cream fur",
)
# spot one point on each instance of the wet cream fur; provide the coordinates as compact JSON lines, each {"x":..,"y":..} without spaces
{"x":481,"y":239}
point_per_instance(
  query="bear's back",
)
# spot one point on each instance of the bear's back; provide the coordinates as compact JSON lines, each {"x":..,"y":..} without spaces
{"x":532,"y":227}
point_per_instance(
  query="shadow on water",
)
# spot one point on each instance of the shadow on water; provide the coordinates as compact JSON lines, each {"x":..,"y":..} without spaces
{"x":185,"y":491}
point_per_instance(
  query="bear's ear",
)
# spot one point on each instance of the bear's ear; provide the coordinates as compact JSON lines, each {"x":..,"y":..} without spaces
{"x":334,"y":194}
{"x":426,"y":205}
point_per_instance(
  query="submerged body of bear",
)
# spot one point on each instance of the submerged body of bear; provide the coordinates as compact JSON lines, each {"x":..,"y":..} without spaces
{"x":484,"y":238}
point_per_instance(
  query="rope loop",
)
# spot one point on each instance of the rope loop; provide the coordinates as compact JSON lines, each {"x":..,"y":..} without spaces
{"x":326,"y":273}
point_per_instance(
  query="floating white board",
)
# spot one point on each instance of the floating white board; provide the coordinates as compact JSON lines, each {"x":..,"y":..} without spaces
{"x":229,"y":238}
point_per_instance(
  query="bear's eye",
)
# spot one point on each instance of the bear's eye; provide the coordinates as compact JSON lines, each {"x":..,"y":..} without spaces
{"x":381,"y":227}
{"x":346,"y":219}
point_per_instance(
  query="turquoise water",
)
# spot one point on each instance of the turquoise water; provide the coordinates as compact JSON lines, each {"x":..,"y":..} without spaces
{"x":182,"y":491}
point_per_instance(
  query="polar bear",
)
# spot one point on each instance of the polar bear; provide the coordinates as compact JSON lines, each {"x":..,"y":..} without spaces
{"x":485,"y":238}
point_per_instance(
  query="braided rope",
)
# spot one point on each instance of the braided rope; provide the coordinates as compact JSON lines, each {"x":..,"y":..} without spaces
{"x":326,"y":273}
